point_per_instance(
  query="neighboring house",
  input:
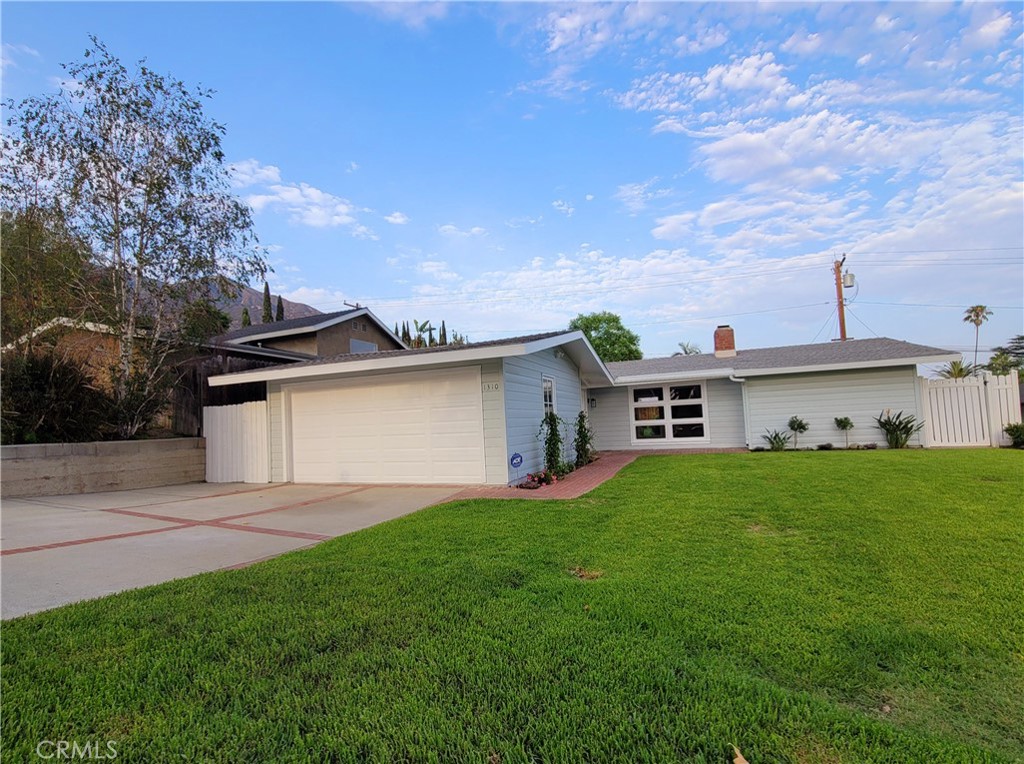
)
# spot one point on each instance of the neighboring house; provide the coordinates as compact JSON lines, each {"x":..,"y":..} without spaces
{"x":460,"y":414}
{"x":329,"y":334}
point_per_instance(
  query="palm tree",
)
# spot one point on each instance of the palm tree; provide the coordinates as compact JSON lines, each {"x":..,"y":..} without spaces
{"x":957,"y":370}
{"x":977,"y":315}
{"x":688,"y":348}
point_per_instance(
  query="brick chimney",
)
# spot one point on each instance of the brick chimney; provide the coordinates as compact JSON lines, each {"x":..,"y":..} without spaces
{"x":725,"y":342}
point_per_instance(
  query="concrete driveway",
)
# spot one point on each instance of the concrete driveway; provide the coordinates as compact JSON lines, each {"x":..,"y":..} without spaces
{"x":60,"y":549}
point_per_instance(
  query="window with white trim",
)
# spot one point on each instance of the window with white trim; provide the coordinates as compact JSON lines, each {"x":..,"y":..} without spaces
{"x":548,"y":391}
{"x":667,"y":413}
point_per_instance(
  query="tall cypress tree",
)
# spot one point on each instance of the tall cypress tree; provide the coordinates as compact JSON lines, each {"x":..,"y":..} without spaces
{"x":280,"y":310}
{"x":268,"y":314}
{"x":443,"y":337}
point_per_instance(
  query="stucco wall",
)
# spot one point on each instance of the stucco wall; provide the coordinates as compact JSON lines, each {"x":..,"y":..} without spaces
{"x":55,"y":469}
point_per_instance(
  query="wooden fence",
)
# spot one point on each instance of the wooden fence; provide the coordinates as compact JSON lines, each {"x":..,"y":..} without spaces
{"x":969,"y":412}
{"x":237,"y":443}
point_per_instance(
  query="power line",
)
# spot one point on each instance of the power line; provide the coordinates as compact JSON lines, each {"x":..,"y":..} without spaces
{"x":928,"y":305}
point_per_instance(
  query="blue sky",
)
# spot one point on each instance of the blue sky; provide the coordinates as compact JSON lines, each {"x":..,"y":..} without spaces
{"x":507,"y":166}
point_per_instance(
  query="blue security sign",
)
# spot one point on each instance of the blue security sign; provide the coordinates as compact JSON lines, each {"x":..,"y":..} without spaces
{"x":516,"y":461}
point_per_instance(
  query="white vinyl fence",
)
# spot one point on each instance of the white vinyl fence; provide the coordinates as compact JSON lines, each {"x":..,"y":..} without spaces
{"x":969,"y":412}
{"x":237,"y":443}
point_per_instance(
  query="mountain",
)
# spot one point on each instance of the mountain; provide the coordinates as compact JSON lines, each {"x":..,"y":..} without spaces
{"x":253,"y":300}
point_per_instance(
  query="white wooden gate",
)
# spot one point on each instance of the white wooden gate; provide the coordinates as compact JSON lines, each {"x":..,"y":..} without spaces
{"x":969,"y":412}
{"x":237,"y":443}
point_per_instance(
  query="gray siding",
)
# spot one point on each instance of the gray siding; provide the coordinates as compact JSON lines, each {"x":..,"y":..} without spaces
{"x":524,"y":405}
{"x":819,"y":398}
{"x":495,"y":450}
{"x":275,"y":421}
{"x":610,"y":418}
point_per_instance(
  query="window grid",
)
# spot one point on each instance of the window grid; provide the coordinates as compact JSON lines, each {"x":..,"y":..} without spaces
{"x":668,"y":413}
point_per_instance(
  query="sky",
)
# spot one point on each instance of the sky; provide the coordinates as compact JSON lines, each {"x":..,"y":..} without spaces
{"x":506,"y":166}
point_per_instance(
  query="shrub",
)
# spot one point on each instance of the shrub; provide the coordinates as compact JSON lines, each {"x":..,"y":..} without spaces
{"x":583,"y":443}
{"x":1016,"y":433}
{"x":551,"y":433}
{"x":798,"y":426}
{"x":50,"y":399}
{"x":898,"y":428}
{"x":776,"y":440}
{"x":825,"y":446}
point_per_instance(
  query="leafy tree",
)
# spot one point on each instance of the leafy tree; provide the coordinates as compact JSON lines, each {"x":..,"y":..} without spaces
{"x":611,"y":340}
{"x":957,"y":370}
{"x":1008,"y":357}
{"x":137,"y":172}
{"x":42,"y":263}
{"x":246,"y":320}
{"x":268,"y":313}
{"x":977,"y":315}
{"x":279,"y":315}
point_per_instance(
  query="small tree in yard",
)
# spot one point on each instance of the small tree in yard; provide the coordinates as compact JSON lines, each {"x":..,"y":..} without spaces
{"x":844,"y":424}
{"x":798,"y":426}
{"x":246,"y":319}
{"x":279,"y":315}
{"x":137,"y":172}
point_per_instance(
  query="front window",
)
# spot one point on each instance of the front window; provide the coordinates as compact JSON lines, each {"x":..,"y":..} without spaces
{"x":668,"y":413}
{"x":548,"y":388}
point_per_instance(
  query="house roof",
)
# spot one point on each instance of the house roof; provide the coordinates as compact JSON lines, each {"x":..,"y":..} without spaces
{"x":304,"y":325}
{"x":574,"y":344}
{"x":257,"y":352}
{"x":826,"y":356}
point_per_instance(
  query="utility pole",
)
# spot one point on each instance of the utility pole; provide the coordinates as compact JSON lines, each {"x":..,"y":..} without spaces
{"x":837,"y":268}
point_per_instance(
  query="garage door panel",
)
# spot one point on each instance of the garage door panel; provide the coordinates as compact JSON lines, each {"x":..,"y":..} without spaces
{"x":418,"y":427}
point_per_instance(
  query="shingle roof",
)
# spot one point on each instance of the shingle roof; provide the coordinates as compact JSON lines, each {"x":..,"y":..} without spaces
{"x":349,"y":357}
{"x":280,"y":326}
{"x":792,"y":356}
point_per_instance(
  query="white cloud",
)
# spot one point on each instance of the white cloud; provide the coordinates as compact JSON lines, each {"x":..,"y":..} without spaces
{"x":352,"y":167}
{"x":564,"y":207}
{"x":636,"y":196}
{"x":307,"y":205}
{"x":249,"y":172}
{"x":803,"y":43}
{"x":397,"y":218}
{"x":454,"y":232}
{"x":437,"y":269}
{"x":12,"y":51}
{"x":589,"y":197}
{"x":674,"y":227}
{"x":704,"y":39}
{"x":415,"y":15}
{"x":989,"y":33}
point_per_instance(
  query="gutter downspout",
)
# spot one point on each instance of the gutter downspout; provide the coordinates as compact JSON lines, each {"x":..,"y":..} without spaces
{"x":746,"y":405}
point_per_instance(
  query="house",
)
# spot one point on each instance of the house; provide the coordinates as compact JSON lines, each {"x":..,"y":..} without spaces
{"x":471,"y":414}
{"x":729,"y":398}
{"x":356,"y":330}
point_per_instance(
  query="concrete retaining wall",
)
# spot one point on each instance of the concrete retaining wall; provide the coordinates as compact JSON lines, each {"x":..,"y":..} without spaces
{"x":54,"y":469}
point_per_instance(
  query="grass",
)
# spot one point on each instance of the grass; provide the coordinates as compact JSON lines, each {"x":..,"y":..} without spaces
{"x":807,"y":607}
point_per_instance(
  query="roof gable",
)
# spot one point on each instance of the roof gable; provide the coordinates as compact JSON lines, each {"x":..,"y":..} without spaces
{"x":304,"y":325}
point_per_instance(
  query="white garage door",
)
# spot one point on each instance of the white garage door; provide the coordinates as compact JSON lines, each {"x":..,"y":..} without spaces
{"x":420,"y":427}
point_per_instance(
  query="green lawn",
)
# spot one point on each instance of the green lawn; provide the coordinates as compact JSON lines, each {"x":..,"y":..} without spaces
{"x":808,"y":607}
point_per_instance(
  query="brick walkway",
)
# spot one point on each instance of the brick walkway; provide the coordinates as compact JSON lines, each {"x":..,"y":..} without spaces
{"x":583,"y":480}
